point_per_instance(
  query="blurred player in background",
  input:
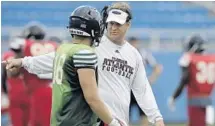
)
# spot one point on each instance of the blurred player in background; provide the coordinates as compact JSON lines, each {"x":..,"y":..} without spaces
{"x":148,"y":60}
{"x":56,"y":39}
{"x":198,"y":74}
{"x":35,"y":43}
{"x":5,"y":119}
{"x":15,"y":87}
{"x":38,"y":87}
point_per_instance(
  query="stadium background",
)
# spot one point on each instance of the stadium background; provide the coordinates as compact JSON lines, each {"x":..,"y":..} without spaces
{"x":161,"y":26}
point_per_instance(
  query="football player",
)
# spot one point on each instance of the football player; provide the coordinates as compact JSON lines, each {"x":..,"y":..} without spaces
{"x":198,"y":75}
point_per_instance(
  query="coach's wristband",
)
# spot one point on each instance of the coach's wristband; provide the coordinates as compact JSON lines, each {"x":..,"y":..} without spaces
{"x":25,"y":63}
{"x":22,"y":65}
{"x":158,"y":118}
{"x":114,"y":122}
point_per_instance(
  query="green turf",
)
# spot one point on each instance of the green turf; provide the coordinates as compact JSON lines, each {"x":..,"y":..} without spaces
{"x":167,"y":125}
{"x":170,"y":125}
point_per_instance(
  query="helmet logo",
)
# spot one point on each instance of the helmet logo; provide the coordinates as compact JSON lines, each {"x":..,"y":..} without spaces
{"x":116,"y":12}
{"x":83,"y":26}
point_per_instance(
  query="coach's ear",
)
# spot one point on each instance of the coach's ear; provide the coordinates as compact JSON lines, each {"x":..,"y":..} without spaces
{"x":128,"y":24}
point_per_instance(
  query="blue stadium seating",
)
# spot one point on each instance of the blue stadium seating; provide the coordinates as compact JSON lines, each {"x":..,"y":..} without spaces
{"x":146,"y":14}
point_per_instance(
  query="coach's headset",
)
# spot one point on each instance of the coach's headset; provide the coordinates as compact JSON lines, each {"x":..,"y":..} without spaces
{"x":107,"y":9}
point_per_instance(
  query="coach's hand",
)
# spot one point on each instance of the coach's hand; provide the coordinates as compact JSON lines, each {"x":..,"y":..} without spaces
{"x":159,"y":123}
{"x":13,"y":64}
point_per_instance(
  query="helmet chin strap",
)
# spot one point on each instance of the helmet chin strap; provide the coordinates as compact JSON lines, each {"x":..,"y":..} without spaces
{"x":95,"y":42}
{"x":200,"y":50}
{"x":195,"y":49}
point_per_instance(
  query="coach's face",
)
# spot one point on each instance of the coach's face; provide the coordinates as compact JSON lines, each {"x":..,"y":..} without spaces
{"x":117,"y":25}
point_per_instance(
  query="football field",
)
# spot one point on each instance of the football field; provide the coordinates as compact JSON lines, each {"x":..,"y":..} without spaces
{"x":165,"y":125}
{"x":168,"y":125}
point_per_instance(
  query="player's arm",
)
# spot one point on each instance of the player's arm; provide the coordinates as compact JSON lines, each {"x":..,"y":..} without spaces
{"x":156,"y":71}
{"x":145,"y":97}
{"x":184,"y":62}
{"x":86,"y":63}
{"x":183,"y":81}
{"x":42,"y":64}
{"x":90,"y":90}
{"x":156,"y":67}
{"x":4,"y":78}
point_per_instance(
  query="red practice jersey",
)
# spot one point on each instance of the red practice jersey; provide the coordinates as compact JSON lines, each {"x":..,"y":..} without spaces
{"x":201,"y":73}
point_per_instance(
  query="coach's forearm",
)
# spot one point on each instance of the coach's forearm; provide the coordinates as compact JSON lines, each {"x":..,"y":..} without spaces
{"x":45,"y":76}
{"x":101,"y":110}
{"x":147,"y":102}
{"x":39,"y":64}
{"x":151,"y":110}
{"x":144,"y":95}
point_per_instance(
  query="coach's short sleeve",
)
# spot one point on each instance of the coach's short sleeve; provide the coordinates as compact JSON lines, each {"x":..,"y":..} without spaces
{"x":184,"y":61}
{"x":85,"y":59}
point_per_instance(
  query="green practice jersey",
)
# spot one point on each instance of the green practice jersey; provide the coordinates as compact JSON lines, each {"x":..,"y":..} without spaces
{"x":69,"y":107}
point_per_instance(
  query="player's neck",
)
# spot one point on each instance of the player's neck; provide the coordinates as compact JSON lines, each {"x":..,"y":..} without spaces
{"x":35,"y":40}
{"x":82,"y":41}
